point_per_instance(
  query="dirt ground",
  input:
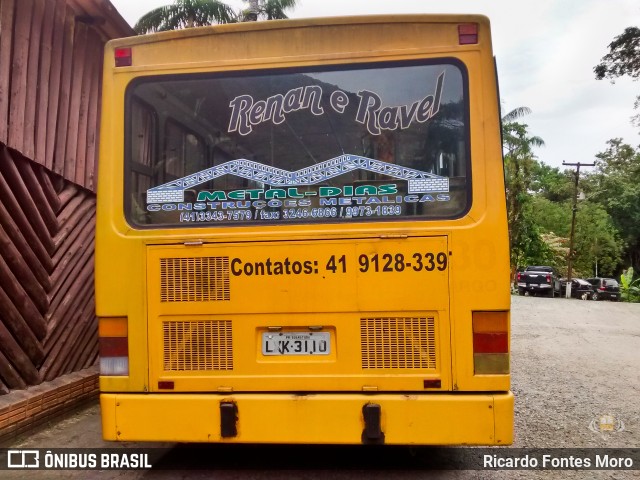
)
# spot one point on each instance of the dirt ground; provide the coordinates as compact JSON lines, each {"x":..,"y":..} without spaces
{"x":573,"y":362}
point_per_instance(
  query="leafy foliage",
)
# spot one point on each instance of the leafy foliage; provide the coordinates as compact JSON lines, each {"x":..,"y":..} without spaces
{"x":198,"y":13}
{"x":629,"y":287}
{"x":185,"y":14}
{"x":527,"y":245}
{"x":622,"y":60}
{"x":616,"y":186}
{"x":623,"y":57}
{"x":275,"y":9}
{"x":551,"y":216}
{"x":598,"y":247}
{"x":557,"y":252}
{"x":597,"y":243}
{"x":266,"y":10}
{"x":540,"y":202}
{"x":550,"y":183}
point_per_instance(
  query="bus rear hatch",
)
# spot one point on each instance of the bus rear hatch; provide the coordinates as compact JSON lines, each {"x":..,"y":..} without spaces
{"x":304,"y":316}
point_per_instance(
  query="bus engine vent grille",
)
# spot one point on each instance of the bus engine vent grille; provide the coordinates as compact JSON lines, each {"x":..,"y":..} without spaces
{"x":398,"y":342}
{"x":199,"y":279}
{"x":203,"y":345}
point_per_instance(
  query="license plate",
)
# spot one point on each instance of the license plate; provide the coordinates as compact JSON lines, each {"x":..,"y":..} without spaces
{"x":296,"y":343}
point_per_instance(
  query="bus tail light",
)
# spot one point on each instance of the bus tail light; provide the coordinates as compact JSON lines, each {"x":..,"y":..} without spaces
{"x":123,"y":57}
{"x":490,"y":343}
{"x":114,"y":346}
{"x":468,"y":33}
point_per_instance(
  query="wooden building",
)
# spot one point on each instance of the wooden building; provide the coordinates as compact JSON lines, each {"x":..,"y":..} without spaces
{"x":50,"y":82}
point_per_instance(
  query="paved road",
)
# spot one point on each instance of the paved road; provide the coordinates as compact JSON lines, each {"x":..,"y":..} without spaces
{"x":572,"y":362}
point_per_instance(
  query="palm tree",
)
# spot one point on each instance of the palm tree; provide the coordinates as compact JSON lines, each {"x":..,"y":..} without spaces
{"x":266,"y":10}
{"x":515,"y":136}
{"x":198,"y":13}
{"x":274,"y":9}
{"x":517,"y":146}
{"x":185,"y":14}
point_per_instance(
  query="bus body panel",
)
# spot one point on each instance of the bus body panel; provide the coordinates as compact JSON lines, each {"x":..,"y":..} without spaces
{"x":476,"y":246}
{"x":383,"y":303}
{"x":433,"y":419}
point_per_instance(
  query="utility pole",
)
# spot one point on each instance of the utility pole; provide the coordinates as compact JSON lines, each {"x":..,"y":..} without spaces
{"x":573,"y":220}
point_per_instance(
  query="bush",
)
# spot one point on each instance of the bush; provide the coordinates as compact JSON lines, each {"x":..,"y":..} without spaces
{"x":629,"y":288}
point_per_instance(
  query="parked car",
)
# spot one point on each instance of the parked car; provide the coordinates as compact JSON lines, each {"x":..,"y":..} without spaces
{"x":580,"y":288}
{"x":605,"y":288}
{"x":537,"y":280}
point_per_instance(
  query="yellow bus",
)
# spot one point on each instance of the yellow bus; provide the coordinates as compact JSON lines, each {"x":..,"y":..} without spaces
{"x":301,"y":235}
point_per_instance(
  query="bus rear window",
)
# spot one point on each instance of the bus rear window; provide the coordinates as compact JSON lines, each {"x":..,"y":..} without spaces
{"x":324,"y":145}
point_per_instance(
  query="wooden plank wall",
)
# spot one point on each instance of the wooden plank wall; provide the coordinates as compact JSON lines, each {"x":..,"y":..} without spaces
{"x":50,"y":73}
{"x":50,"y":82}
{"x":47,"y":322}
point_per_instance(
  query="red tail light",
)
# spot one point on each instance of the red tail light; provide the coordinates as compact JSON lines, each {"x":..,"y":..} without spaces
{"x":548,"y":278}
{"x":123,"y":57}
{"x":113,"y":346}
{"x":468,"y":33}
{"x":490,"y":342}
{"x":602,"y":289}
{"x":518,"y":276}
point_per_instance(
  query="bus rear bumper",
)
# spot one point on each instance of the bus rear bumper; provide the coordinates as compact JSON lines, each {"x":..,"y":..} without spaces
{"x":419,"y":419}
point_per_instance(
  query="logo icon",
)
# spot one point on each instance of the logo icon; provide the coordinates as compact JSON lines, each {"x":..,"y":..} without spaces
{"x":418,"y":181}
{"x":23,"y":459}
{"x":606,"y":424}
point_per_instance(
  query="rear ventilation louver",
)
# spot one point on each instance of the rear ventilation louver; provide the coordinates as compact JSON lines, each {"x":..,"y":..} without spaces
{"x":205,"y":345}
{"x":398,"y":343}
{"x":199,"y":279}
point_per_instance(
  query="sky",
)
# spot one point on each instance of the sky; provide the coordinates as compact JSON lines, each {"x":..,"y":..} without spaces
{"x":545,"y":51}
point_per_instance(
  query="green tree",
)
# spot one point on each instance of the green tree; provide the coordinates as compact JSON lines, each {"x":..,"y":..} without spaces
{"x":552,"y":216}
{"x":558,"y":249}
{"x":268,"y":9}
{"x":185,"y":14}
{"x":197,"y":13}
{"x":623,"y":57}
{"x":598,"y":248}
{"x":526,"y":243}
{"x":616,"y":186}
{"x":622,"y":60}
{"x":551,"y":183}
{"x":597,"y":244}
{"x":629,"y":287}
